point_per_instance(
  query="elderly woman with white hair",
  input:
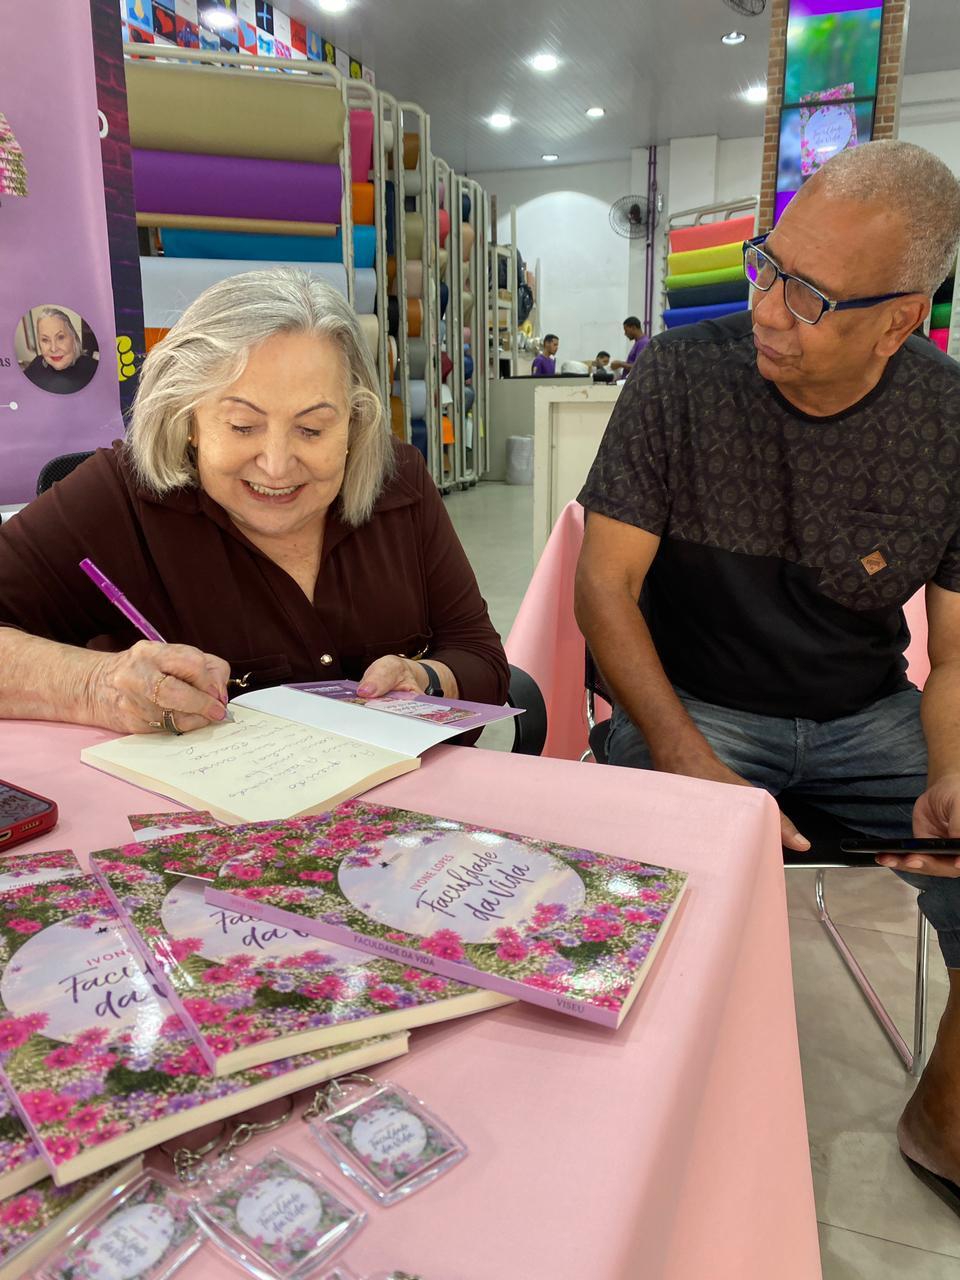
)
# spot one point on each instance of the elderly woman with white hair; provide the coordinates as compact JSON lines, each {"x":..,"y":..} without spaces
{"x":61,"y":365}
{"x":264,"y":519}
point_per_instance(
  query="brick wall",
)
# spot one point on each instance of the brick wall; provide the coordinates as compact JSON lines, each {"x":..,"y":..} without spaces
{"x":893,"y":39}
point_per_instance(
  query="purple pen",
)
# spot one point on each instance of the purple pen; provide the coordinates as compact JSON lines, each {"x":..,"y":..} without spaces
{"x":117,"y":598}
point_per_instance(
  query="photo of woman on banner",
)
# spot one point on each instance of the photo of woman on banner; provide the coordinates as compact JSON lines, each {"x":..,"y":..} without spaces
{"x":56,"y":349}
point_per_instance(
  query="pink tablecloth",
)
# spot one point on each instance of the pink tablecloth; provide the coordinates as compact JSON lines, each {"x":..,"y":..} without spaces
{"x":673,"y":1149}
{"x":546,"y":642}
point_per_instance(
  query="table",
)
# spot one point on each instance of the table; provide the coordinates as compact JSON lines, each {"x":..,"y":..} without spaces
{"x":672,"y":1149}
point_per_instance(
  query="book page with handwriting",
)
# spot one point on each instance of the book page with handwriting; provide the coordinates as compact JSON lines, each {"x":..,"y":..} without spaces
{"x":256,"y":769}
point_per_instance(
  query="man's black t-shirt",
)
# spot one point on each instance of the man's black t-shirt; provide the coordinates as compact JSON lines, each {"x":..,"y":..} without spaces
{"x":788,"y":543}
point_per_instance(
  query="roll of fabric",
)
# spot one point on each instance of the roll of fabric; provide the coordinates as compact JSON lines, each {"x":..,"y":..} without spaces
{"x":391,"y":218}
{"x":446,"y":429}
{"x":940,"y":316}
{"x":414,"y":277}
{"x":171,"y":284}
{"x":707,"y":295}
{"x":370,"y":328}
{"x":212,"y":113}
{"x":443,"y":226}
{"x":696,"y":260}
{"x":692,"y":279}
{"x":446,"y":366}
{"x":414,"y":235}
{"x":364,"y":291}
{"x":465,"y":207}
{"x":411,"y":150}
{"x":418,"y":396}
{"x":467,"y":236}
{"x":418,"y":436}
{"x":236,"y":187}
{"x":362,"y":204}
{"x":417,"y":357}
{"x":414,"y":317}
{"x":939,"y":338}
{"x":467,"y":367}
{"x":412,"y":183}
{"x":361,"y":143}
{"x":678,"y":316}
{"x":444,"y":297}
{"x":393,"y":316}
{"x":446,"y":395}
{"x":467,"y":333}
{"x":387,"y":135}
{"x":392,"y":357}
{"x":391,"y":274}
{"x":469,"y":395}
{"x":248,"y":226}
{"x":442,"y":262}
{"x":152,"y":336}
{"x":260,"y":248}
{"x":710,"y":234}
{"x":398,"y":424}
{"x":467,"y":305}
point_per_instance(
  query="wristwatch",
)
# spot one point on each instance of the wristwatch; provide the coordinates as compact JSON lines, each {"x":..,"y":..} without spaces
{"x":434,"y":689}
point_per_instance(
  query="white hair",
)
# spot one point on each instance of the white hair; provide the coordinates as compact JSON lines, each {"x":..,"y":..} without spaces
{"x":55,"y":313}
{"x":912,"y":182}
{"x":207,"y":349}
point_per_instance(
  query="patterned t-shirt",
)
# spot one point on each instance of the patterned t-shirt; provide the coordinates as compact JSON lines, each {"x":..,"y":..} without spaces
{"x":788,"y":543}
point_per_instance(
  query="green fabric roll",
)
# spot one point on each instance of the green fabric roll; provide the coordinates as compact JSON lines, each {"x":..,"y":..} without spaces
{"x":940,"y":316}
{"x":712,"y":259}
{"x":691,"y":278}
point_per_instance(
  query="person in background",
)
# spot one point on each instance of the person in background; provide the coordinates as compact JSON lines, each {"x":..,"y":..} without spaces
{"x":599,"y":366}
{"x":633,"y":332}
{"x":545,"y":365}
{"x":61,"y":364}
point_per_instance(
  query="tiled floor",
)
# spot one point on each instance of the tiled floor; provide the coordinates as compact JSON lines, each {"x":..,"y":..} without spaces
{"x":877,"y":1221}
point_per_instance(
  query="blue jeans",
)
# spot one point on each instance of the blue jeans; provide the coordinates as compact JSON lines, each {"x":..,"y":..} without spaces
{"x":866,"y":770}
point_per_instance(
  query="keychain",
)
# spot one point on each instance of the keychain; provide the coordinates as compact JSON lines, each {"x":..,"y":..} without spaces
{"x":382,"y":1137}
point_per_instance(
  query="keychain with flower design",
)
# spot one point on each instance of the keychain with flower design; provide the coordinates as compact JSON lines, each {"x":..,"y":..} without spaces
{"x":382,"y":1137}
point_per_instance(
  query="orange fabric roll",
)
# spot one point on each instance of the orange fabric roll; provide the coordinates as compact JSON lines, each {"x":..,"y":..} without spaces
{"x":397,"y":424}
{"x":414,"y":317}
{"x":153,"y":336}
{"x":363,"y":204}
{"x":448,"y":436}
{"x":411,"y":150}
{"x":467,"y":237}
{"x":443,"y":223}
{"x":391,"y":270}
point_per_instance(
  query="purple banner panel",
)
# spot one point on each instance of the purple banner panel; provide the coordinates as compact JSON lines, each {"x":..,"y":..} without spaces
{"x":58,"y":362}
{"x":817,"y":8}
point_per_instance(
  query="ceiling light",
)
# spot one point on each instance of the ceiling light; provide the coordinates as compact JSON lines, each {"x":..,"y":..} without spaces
{"x":756,"y":93}
{"x":219,"y":18}
{"x":595,"y":112}
{"x":500,"y":120}
{"x":733,"y":37}
{"x":545,"y":62}
{"x":331,"y":6}
{"x":549,"y":156}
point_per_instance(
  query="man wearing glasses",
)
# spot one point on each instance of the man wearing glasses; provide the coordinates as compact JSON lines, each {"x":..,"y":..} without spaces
{"x":777,"y":484}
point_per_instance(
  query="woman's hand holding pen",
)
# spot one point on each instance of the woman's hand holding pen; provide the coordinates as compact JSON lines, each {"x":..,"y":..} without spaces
{"x":131,"y":690}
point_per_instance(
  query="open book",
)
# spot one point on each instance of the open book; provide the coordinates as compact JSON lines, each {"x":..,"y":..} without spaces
{"x":287,"y":752}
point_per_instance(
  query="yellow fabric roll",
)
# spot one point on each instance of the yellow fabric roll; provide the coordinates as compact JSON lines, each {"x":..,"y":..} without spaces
{"x":397,"y":418}
{"x":467,"y":304}
{"x":411,"y":150}
{"x":259,"y":226}
{"x":414,"y":235}
{"x":722,"y":255}
{"x":370,"y":328}
{"x":233,"y":113}
{"x":442,"y":263}
{"x":467,"y":237}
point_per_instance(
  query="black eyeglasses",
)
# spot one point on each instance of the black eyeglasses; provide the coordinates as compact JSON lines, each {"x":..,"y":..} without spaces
{"x":802,"y":300}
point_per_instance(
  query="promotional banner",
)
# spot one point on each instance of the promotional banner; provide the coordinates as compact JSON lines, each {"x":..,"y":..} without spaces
{"x":59,"y":388}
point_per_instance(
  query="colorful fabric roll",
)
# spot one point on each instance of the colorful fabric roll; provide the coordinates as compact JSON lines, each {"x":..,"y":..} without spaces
{"x":398,"y":423}
{"x":418,"y":436}
{"x":444,"y":297}
{"x":695,"y":260}
{"x":446,"y":395}
{"x":393,"y":357}
{"x":418,"y":396}
{"x":467,"y":367}
{"x":446,"y":430}
{"x":370,"y":328}
{"x":387,"y":135}
{"x":414,"y":235}
{"x":467,"y":333}
{"x":467,"y":236}
{"x":393,"y":316}
{"x":442,"y":262}
{"x":414,"y":279}
{"x":446,"y":366}
{"x":411,"y":150}
{"x":417,"y":357}
{"x":692,"y":315}
{"x":260,"y":248}
{"x":171,"y":284}
{"x":692,"y":279}
{"x":236,"y":186}
{"x":391,"y":274}
{"x":465,"y":207}
{"x":939,"y":338}
{"x":414,"y":317}
{"x":361,"y":143}
{"x":940,"y":316}
{"x":469,"y":395}
{"x":362,"y":204}
{"x":467,"y":305}
{"x":443,"y":226}
{"x":710,"y":234}
{"x":249,"y":226}
{"x":178,"y":108}
{"x":707,"y":295}
{"x":412,"y":183}
{"x":364,"y":291}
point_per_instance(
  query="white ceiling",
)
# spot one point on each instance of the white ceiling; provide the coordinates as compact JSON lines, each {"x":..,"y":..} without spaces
{"x":657,"y":66}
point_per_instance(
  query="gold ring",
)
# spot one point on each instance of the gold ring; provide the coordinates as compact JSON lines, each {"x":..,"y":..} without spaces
{"x":155,"y":724}
{"x":169,"y":723}
{"x":155,"y":697}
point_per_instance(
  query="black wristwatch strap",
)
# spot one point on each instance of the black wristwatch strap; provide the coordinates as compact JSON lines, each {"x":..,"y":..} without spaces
{"x":434,"y":689}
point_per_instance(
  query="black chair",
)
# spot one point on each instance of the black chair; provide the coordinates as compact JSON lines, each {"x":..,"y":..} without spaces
{"x":825,"y":834}
{"x":530,"y":729}
{"x":59,"y":468}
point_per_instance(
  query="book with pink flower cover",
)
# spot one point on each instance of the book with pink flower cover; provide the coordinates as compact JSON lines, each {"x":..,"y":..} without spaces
{"x":220,"y":967}
{"x":98,"y":1063}
{"x":566,"y":928}
{"x":33,"y":1222}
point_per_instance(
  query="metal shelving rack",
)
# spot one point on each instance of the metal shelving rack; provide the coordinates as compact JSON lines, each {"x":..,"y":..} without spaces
{"x":498,"y":306}
{"x":474,"y":461}
{"x":693,"y":218}
{"x":364,"y":96}
{"x":445,"y":475}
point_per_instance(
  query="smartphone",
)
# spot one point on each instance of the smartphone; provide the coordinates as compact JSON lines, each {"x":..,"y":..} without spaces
{"x":23,"y":815}
{"x":935,"y":844}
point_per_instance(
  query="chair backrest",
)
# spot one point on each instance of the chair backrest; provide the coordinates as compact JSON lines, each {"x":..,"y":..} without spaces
{"x":59,"y":468}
